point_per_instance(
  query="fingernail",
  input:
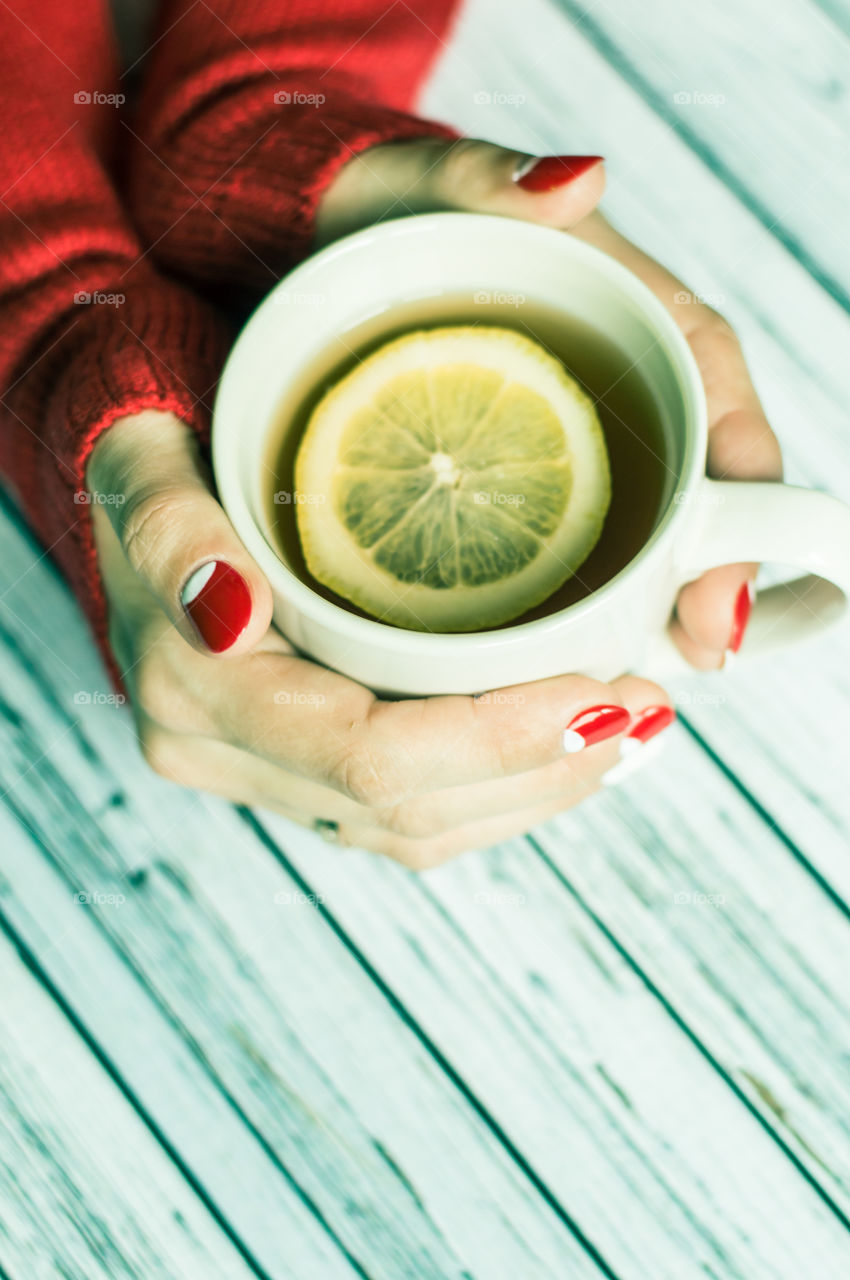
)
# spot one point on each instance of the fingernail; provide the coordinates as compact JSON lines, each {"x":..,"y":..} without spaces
{"x":218,"y":602}
{"x":594,"y":725}
{"x":632,"y":760}
{"x":741,"y":616}
{"x":545,"y":173}
{"x":647,"y":724}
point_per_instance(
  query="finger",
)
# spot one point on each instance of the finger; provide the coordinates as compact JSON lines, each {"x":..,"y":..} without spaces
{"x":713,"y":611}
{"x":147,"y":474}
{"x":316,"y":723}
{"x":209,"y":765}
{"x":471,"y":175}
{"x":571,"y":777}
{"x":422,"y":855}
{"x":712,"y":614}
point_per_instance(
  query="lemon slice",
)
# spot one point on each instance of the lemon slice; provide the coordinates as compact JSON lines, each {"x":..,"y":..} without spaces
{"x":452,"y":480}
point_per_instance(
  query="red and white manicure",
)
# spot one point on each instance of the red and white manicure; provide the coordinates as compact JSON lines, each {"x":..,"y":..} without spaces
{"x":596,"y":724}
{"x":218,"y":603}
{"x":547,"y":173}
{"x":744,"y":602}
{"x":641,"y":744}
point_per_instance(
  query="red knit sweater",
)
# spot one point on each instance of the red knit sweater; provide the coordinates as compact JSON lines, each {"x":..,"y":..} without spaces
{"x":247,"y":110}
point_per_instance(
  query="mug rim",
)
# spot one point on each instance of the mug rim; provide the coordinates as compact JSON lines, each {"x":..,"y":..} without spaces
{"x":238,"y":366}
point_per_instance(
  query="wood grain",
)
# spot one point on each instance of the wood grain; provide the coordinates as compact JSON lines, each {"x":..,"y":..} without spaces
{"x":780,"y":724}
{"x":620,"y":1048}
{"x":665,"y":1165}
{"x":86,"y":1191}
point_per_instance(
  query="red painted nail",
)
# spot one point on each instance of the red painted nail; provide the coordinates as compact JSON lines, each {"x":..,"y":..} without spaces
{"x":549,"y":172}
{"x":594,"y":725}
{"x":218,"y":601}
{"x":741,"y":616}
{"x":649,"y":722}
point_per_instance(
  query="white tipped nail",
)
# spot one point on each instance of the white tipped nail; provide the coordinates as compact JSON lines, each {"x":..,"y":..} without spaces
{"x":633,"y":757}
{"x":730,"y":657}
{"x":523,"y":167}
{"x":196,"y":583}
{"x":573,"y":742}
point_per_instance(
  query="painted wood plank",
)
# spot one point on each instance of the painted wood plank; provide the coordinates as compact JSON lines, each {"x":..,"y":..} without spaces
{"x":85,"y":1189}
{"x":729,"y":79}
{"x":403,"y":1169}
{"x":603,"y":1098}
{"x":737,"y":937}
{"x":619,"y":1110}
{"x":771,"y":724}
{"x":279,"y":1232}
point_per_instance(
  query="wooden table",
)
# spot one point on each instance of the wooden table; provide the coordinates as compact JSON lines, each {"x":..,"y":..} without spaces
{"x":619,"y":1047}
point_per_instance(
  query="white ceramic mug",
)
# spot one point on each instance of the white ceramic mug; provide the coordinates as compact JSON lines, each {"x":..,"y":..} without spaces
{"x":623,"y":625}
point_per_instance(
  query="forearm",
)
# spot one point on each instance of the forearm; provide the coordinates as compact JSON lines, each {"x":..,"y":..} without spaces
{"x":248,"y":113}
{"x":88,"y":331}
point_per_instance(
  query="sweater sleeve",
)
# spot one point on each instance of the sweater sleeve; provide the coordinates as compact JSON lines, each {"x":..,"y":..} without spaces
{"x":249,"y":110}
{"x":89,"y":331}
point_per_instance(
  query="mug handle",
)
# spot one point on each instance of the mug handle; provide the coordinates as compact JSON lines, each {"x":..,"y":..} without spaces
{"x":752,"y":520}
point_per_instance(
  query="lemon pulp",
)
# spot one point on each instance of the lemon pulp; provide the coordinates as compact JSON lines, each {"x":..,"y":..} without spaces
{"x":452,"y":480}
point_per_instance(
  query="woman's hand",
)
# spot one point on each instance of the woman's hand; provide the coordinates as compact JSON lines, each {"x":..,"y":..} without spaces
{"x":223,"y":703}
{"x":414,"y":177}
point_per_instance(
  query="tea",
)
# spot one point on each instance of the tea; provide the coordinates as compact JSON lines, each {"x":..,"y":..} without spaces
{"x":642,"y":473}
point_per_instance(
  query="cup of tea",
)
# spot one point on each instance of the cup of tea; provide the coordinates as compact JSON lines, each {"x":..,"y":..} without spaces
{"x":666,"y":524}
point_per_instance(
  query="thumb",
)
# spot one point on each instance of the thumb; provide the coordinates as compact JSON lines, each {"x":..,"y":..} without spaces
{"x":473,"y":176}
{"x":148,"y":475}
